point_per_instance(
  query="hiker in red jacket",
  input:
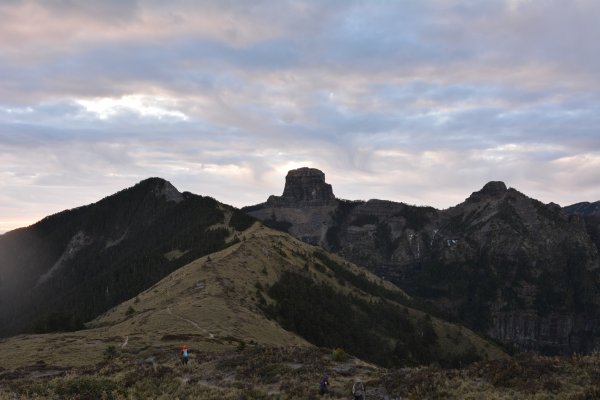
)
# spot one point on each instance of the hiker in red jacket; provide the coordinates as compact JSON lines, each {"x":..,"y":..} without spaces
{"x":184,"y":355}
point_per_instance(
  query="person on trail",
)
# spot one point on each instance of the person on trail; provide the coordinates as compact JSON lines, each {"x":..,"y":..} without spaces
{"x":184,"y":355}
{"x":324,"y":385}
{"x":358,"y":391}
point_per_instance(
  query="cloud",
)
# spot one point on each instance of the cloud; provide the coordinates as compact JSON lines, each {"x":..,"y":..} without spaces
{"x":417,"y":101}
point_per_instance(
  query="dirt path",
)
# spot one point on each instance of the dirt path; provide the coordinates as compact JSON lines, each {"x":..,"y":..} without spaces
{"x":193,"y":323}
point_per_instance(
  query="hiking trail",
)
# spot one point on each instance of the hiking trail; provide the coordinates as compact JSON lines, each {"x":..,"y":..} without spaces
{"x":189,"y":321}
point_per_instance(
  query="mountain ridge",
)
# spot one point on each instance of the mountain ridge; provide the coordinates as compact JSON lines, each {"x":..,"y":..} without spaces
{"x":499,"y":261}
{"x":506,"y":251}
{"x":99,"y":254}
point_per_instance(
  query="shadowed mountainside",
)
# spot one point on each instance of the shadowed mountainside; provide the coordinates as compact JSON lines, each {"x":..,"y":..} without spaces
{"x":70,"y":267}
{"x":590,"y":212}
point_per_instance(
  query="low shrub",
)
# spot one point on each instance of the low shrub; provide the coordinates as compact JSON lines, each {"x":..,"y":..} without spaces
{"x":339,"y":355}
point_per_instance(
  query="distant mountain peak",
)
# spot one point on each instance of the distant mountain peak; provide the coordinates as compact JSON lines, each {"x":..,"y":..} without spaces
{"x":161,"y":188}
{"x":493,"y":189}
{"x":305,"y":186}
{"x":105,"y":252}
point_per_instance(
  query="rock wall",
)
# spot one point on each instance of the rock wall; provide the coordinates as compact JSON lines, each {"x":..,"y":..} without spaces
{"x":555,"y":334}
{"x":304,"y":187}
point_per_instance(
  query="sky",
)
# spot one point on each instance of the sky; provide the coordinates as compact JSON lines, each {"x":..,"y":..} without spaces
{"x":419,"y":101}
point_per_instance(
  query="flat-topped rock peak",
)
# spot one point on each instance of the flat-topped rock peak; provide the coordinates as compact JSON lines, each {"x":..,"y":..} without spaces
{"x":304,"y":186}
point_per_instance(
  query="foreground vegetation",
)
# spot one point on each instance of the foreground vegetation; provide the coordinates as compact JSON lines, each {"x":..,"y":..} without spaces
{"x":256,"y":372}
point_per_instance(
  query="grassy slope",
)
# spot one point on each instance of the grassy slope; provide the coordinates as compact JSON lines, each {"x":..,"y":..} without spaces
{"x":212,"y":305}
{"x":207,"y":303}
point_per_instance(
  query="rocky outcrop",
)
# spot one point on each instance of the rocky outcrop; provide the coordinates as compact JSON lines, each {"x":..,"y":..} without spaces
{"x":166,"y":190}
{"x":590,"y":215}
{"x":304,"y":187}
{"x":557,"y":333}
{"x":304,"y":209}
{"x":524,"y":272}
{"x":78,"y":242}
{"x":491,"y":190}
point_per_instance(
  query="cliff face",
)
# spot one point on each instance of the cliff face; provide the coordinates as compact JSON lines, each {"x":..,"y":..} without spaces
{"x":304,"y":186}
{"x":304,"y":209}
{"x":590,"y":213}
{"x":530,"y":271}
{"x":524,"y":272}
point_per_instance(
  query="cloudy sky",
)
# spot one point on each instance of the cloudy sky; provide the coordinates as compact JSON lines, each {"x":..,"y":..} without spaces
{"x":414,"y":101}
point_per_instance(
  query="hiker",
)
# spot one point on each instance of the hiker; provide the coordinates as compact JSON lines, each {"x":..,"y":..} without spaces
{"x":358,"y":391}
{"x":324,"y":385}
{"x":184,"y":355}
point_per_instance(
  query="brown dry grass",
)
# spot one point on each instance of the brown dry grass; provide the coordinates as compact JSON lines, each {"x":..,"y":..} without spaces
{"x":259,"y":372}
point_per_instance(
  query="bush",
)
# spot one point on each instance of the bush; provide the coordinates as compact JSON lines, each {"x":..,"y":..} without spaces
{"x":589,"y":393}
{"x":241,"y":346}
{"x":339,"y":355}
{"x":89,"y":388}
{"x":241,"y":221}
{"x":110,"y":352}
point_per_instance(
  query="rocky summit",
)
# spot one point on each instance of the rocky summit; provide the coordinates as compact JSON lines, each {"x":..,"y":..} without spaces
{"x":305,"y":209}
{"x":524,"y":272}
{"x":304,"y":186}
{"x":490,"y":190}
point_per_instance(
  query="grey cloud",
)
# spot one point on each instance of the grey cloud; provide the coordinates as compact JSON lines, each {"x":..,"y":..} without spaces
{"x":115,"y":11}
{"x":419,"y":101}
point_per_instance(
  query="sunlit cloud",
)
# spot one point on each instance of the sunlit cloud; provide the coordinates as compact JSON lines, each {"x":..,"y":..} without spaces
{"x":145,"y":106}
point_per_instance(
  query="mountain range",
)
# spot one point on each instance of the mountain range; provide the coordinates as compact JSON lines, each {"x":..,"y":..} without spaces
{"x":508,"y":266}
{"x":95,"y":300}
{"x":116,"y":287}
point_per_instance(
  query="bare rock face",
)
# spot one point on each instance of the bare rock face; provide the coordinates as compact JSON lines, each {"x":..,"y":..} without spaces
{"x":168,"y":191}
{"x":492,"y":189}
{"x":589,"y":214}
{"x":304,"y":186}
{"x":305,"y":208}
